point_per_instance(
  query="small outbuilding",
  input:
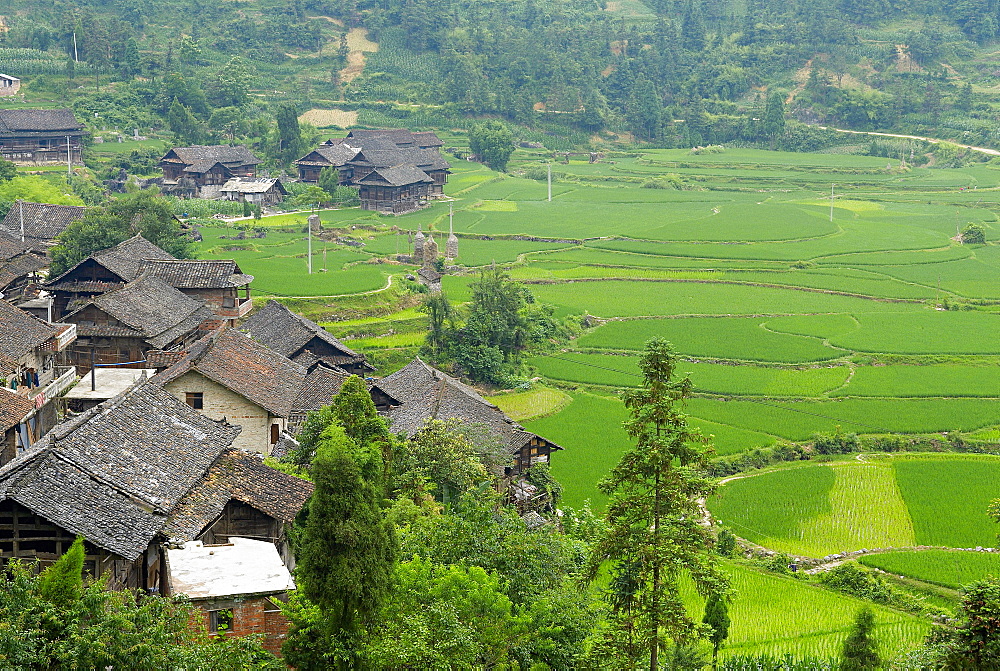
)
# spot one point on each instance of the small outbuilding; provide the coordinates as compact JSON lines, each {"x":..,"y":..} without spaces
{"x":256,"y":190}
{"x":239,"y":586}
{"x":9,"y":85}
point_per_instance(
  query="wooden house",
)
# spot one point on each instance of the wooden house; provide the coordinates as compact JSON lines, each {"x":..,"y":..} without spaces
{"x":301,"y":340}
{"x":133,"y":475}
{"x":120,"y":326}
{"x":255,"y":190}
{"x":19,"y":266}
{"x":218,"y":283}
{"x":9,"y":86}
{"x":101,"y":272}
{"x":324,"y":156}
{"x":399,"y":136}
{"x":207,"y":165}
{"x":397,"y":189}
{"x":424,"y":393}
{"x":38,"y":224}
{"x":32,"y":136}
{"x":28,"y":351}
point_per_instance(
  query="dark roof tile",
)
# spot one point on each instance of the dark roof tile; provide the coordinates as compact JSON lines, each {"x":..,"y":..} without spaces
{"x":287,"y":333}
{"x":42,"y":221}
{"x":21,"y":332}
{"x":197,"y":273}
{"x":13,"y":120}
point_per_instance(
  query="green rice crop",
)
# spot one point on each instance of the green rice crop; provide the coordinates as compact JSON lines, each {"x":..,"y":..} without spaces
{"x":774,"y":615}
{"x":623,"y":371}
{"x":613,"y":298}
{"x":947,"y":498}
{"x":817,"y":510}
{"x":950,"y":568}
{"x":818,"y":326}
{"x":525,"y":405}
{"x":712,"y":337}
{"x":914,"y":381}
{"x":924,"y":332}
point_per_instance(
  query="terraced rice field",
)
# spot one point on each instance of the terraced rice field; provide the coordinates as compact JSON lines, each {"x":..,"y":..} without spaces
{"x":948,"y":568}
{"x":776,"y":615}
{"x":882,"y":502}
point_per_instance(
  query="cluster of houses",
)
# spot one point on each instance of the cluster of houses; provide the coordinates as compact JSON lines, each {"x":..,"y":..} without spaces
{"x":395,"y":171}
{"x":137,"y":407}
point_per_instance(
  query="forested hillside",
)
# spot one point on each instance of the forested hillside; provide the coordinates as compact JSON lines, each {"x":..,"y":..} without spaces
{"x":667,"y":72}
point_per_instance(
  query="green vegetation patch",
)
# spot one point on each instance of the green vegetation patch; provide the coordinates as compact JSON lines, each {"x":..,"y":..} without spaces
{"x":915,"y":381}
{"x":924,"y":332}
{"x":744,"y":339}
{"x":533,"y":404}
{"x":947,"y":498}
{"x":775,"y":615}
{"x":950,"y":568}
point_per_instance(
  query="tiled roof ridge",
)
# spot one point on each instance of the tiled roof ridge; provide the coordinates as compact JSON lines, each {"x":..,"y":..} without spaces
{"x":151,"y":506}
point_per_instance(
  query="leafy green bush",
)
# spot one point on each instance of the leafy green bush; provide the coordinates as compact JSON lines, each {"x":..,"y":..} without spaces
{"x":836,"y":443}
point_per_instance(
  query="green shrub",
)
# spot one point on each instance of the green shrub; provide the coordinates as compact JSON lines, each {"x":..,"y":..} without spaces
{"x":836,"y":442}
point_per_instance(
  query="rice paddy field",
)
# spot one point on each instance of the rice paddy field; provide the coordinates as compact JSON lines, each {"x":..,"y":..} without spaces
{"x":791,"y":317}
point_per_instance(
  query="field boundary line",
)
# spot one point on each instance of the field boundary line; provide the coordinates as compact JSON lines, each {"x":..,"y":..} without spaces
{"x":831,"y":292}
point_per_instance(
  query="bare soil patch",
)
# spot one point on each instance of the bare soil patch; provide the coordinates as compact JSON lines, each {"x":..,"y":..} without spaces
{"x":335,"y":117}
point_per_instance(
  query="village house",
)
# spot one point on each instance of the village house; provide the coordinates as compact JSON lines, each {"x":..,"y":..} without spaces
{"x":134,"y":475}
{"x":229,"y":375}
{"x":9,"y":86}
{"x":422,"y":393}
{"x":395,"y":170}
{"x":301,"y":340}
{"x":120,"y":326}
{"x":210,"y":166}
{"x":38,"y":224}
{"x":32,"y":136}
{"x":239,"y":587}
{"x":19,"y":266}
{"x":101,"y":272}
{"x":218,"y":283}
{"x":255,"y":190}
{"x":28,"y":370}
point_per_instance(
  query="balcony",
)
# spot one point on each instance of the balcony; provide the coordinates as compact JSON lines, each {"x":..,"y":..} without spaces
{"x":240,"y":309}
{"x":65,"y":378}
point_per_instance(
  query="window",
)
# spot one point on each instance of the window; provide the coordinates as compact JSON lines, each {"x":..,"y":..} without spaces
{"x":195,"y":399}
{"x":220,"y":621}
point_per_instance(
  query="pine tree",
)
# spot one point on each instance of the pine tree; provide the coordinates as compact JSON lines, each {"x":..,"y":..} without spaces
{"x":654,"y":534}
{"x":717,"y":617}
{"x":861,"y":649}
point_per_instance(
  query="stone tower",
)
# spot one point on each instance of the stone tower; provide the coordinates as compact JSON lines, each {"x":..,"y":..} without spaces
{"x":451,"y":247}
{"x":430,"y":251}
{"x":418,"y":245}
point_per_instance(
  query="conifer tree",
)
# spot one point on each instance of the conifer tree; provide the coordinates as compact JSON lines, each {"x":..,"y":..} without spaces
{"x":347,"y":549}
{"x":860,"y":651}
{"x":717,"y":617}
{"x":654,"y":531}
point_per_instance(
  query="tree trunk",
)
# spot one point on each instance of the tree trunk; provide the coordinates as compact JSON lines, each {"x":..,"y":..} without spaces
{"x":654,"y":619}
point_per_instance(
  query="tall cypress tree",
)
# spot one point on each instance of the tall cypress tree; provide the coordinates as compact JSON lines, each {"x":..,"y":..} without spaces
{"x":348,"y":549}
{"x":860,"y":651}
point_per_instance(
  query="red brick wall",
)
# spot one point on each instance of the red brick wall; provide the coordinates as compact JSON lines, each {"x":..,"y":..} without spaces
{"x":255,"y":615}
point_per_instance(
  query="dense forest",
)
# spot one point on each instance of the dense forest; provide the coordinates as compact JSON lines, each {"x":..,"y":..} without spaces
{"x":669,"y":72}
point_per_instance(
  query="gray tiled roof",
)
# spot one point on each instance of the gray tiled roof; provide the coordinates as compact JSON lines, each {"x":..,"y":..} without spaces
{"x":42,"y":221}
{"x":427,"y":393}
{"x":113,"y":473}
{"x":252,"y":185}
{"x":15,"y":120}
{"x":244,"y":366}
{"x":10,"y":245}
{"x":244,"y":477}
{"x":197,"y":273}
{"x":211,"y":154}
{"x":398,"y":175}
{"x":329,"y":154}
{"x":19,"y":266}
{"x":126,"y":259}
{"x":319,"y":387}
{"x":21,"y":332}
{"x":286,"y":333}
{"x":149,"y":307}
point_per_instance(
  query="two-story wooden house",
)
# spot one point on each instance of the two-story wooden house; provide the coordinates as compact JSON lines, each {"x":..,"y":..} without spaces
{"x":35,"y":136}
{"x":212,"y":165}
{"x":423,"y":393}
{"x":120,"y":326}
{"x":101,"y":272}
{"x":218,"y":283}
{"x":19,"y":266}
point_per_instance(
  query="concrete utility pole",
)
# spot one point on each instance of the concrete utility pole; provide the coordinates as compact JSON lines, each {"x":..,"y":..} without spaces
{"x":76,"y":56}
{"x":21,"y":204}
{"x":313,"y":220}
{"x":69,"y":158}
{"x":550,"y":182}
{"x":831,"y":202}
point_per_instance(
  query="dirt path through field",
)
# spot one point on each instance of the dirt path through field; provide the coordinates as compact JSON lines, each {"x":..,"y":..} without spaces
{"x":990,"y":152}
{"x":359,"y":45}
